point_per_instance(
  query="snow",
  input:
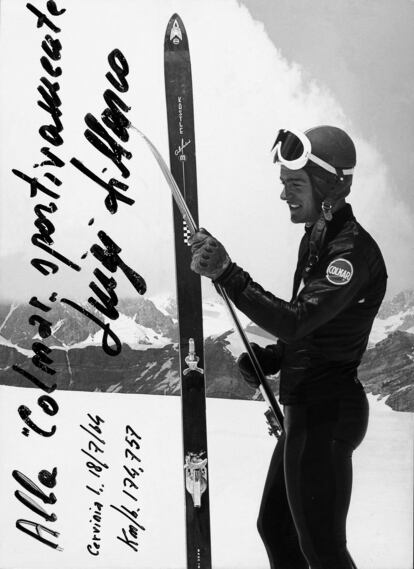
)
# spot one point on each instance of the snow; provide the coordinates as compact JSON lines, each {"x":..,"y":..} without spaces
{"x":138,"y":337}
{"x":382,"y":500}
{"x":380,"y":519}
{"x":382,"y":328}
{"x":236,"y":346}
{"x":163,"y":302}
{"x":58,"y":325}
{"x":169,"y":382}
{"x":217,"y":320}
{"x":24,"y":351}
{"x":381,"y":508}
{"x":13,"y":307}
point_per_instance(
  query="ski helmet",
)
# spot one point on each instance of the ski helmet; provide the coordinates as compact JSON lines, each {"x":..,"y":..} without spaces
{"x":332,"y":145}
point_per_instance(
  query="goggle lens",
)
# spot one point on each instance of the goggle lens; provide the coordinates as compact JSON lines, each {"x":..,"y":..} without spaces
{"x":290,"y":147}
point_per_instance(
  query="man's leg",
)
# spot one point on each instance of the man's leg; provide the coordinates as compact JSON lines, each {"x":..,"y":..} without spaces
{"x":275,"y":523}
{"x":318,"y":459}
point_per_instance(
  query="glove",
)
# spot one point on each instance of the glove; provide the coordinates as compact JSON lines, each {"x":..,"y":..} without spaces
{"x":210,"y":259}
{"x":269,"y":360}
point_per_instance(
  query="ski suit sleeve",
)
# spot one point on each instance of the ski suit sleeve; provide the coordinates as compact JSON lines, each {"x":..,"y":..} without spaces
{"x":320,"y":300}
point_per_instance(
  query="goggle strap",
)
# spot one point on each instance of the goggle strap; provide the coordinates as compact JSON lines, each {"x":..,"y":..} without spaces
{"x":300,"y":162}
{"x":328,"y":167}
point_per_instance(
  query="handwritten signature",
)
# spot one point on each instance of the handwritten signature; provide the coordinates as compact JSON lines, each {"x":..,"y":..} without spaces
{"x":181,"y":147}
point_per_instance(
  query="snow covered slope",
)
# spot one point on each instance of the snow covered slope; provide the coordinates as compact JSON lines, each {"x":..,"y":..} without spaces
{"x":380,"y":520}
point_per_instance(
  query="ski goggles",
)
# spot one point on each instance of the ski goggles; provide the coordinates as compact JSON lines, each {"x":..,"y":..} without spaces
{"x":293,"y":149}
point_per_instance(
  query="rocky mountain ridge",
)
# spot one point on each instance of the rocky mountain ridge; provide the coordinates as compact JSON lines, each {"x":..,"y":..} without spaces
{"x":148,"y":362}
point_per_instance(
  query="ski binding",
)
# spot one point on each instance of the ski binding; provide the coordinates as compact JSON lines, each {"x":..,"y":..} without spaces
{"x":192,"y":359}
{"x":196,"y":476}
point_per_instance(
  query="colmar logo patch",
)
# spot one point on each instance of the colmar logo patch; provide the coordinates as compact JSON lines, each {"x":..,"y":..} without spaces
{"x":339,"y":272}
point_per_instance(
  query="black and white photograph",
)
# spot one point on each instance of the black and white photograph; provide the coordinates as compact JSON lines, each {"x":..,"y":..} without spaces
{"x":206,"y":284}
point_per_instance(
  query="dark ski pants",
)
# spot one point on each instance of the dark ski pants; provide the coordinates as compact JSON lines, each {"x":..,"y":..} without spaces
{"x":302,"y":519}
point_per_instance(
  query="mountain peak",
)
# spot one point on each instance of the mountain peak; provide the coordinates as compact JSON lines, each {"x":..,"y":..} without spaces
{"x":403,"y":302}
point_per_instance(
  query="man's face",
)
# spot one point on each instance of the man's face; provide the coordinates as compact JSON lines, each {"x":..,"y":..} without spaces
{"x":298,"y":194}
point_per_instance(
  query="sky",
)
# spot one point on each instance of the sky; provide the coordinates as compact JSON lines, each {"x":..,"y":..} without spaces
{"x":257,"y":66}
{"x":363,"y":53}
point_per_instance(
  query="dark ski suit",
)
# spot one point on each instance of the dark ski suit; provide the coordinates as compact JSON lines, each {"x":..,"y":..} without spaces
{"x":322,"y":335}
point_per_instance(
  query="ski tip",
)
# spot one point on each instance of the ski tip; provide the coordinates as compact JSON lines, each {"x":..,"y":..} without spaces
{"x":175,"y":32}
{"x":175,"y":16}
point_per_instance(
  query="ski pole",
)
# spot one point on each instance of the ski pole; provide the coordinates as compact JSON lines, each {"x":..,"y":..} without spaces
{"x":274,"y":415}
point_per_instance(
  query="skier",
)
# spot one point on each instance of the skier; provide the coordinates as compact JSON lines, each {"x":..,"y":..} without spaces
{"x":339,"y":284}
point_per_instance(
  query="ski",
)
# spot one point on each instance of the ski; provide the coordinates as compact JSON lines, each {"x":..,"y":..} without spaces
{"x":180,"y":115}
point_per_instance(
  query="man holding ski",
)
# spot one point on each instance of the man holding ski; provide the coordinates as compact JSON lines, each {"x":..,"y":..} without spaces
{"x":339,"y":284}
